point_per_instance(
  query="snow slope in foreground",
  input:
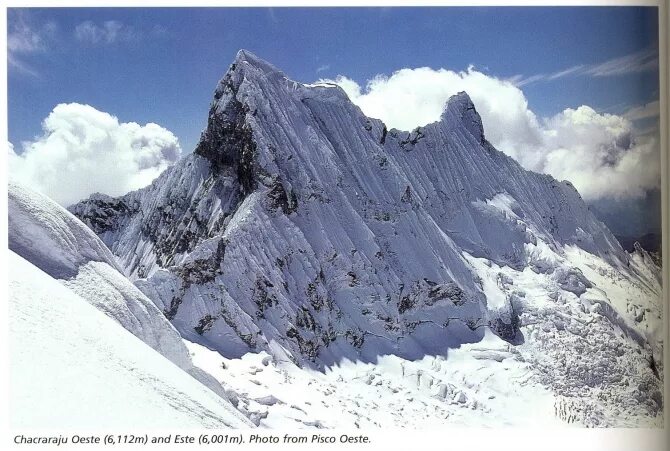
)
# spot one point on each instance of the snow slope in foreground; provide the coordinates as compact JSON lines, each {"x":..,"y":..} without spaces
{"x":52,"y":239}
{"x":72,"y":366}
{"x":49,"y":237}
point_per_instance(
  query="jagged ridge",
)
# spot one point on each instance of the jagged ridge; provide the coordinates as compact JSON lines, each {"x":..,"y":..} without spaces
{"x":336,"y":230}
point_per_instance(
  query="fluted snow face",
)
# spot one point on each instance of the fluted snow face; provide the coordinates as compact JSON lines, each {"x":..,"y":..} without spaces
{"x":302,"y":228}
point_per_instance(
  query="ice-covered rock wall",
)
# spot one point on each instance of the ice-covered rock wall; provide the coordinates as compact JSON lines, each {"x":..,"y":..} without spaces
{"x":300,"y":226}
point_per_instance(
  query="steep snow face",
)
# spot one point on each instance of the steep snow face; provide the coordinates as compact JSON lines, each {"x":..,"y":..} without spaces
{"x":155,"y":227}
{"x":52,"y":239}
{"x":302,"y":228}
{"x":73,"y":367}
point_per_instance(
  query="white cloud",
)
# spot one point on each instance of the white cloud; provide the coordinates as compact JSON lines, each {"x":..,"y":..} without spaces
{"x":565,"y":72}
{"x":642,"y":61}
{"x":520,"y":80}
{"x":84,"y":150}
{"x":22,"y":38}
{"x":647,"y":111}
{"x":107,"y":32}
{"x":603,"y":155}
{"x":322,"y":68}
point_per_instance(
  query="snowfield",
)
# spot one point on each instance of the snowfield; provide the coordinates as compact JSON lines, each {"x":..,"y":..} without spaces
{"x":73,"y":367}
{"x":483,"y":384}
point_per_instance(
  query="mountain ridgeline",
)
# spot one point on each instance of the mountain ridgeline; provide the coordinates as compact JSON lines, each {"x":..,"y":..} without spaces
{"x":301,"y":227}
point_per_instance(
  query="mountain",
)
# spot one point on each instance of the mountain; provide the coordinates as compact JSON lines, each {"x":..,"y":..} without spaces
{"x":305,"y":230}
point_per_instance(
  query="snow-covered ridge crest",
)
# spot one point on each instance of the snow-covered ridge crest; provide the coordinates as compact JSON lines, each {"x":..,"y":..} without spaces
{"x":305,"y":229}
{"x":56,"y":242}
{"x":52,"y":240}
{"x":308,"y":148}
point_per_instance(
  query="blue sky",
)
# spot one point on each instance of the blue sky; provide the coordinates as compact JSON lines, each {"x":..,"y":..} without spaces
{"x":163,"y":64}
{"x":569,"y":91}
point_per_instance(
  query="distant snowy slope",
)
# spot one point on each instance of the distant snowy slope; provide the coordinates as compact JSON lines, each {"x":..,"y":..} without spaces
{"x":73,"y":367}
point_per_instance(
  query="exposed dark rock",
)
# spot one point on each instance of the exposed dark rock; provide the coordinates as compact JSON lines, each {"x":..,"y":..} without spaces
{"x":228,"y":142}
{"x":407,"y":195}
{"x":305,"y":320}
{"x":280,"y":199}
{"x":405,"y":304}
{"x":573,"y":280}
{"x":309,"y":348}
{"x":449,"y":291}
{"x":202,"y":270}
{"x":262,"y":298}
{"x":171,"y":312}
{"x":355,"y":338}
{"x":411,"y":139}
{"x":102,"y":213}
{"x":204,"y":324}
{"x":506,"y":324}
{"x":315,"y":299}
{"x":353,"y":279}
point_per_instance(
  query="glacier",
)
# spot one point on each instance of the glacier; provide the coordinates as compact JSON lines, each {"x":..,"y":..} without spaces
{"x":303,"y":230}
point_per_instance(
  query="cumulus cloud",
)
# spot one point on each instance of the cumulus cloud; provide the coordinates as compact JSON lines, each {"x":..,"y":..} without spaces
{"x":603,"y":155}
{"x":84,"y":150}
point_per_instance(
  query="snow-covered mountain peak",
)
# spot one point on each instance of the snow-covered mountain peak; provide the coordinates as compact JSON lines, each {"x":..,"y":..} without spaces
{"x":424,"y":273}
{"x":247,"y":57}
{"x":246,"y":68}
{"x":460,"y":101}
{"x":302,"y":228}
{"x":460,"y":111}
